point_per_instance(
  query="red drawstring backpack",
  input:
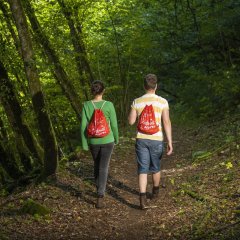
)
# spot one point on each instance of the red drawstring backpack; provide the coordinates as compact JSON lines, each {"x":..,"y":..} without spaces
{"x":147,"y":122}
{"x":98,"y":126}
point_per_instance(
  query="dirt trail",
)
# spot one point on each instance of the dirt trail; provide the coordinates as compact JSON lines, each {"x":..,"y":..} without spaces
{"x":122,"y":218}
{"x":72,"y":198}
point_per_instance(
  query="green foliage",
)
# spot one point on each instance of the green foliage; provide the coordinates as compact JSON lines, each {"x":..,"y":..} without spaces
{"x":3,"y":236}
{"x":200,"y":155}
{"x":33,"y":208}
{"x":3,"y":192}
{"x":193,"y":48}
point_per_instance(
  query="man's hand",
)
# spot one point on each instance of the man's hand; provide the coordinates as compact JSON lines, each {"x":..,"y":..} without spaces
{"x":169,"y":149}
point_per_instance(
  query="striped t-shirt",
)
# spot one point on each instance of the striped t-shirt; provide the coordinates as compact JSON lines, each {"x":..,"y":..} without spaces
{"x":158,"y":104}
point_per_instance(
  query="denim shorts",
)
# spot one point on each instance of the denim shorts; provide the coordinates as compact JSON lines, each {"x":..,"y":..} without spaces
{"x":149,"y":154}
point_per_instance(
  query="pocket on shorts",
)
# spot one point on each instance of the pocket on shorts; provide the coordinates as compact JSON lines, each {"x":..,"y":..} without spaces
{"x":157,"y":149}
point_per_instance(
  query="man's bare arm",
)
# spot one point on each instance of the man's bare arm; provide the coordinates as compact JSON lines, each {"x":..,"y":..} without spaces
{"x":132,"y":116}
{"x":168,"y":130}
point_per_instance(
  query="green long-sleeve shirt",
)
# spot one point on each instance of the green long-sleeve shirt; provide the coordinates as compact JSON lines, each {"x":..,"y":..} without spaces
{"x":110,"y":114}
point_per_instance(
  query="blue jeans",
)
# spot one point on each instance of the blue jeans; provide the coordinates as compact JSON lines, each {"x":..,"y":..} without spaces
{"x":149,"y":154}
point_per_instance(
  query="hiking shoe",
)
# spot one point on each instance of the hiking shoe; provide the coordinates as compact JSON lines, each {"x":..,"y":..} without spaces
{"x":143,"y":202}
{"x":100,"y":203}
{"x":155,"y":192}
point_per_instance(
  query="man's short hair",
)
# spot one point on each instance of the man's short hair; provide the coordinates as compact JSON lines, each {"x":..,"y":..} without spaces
{"x":150,"y":81}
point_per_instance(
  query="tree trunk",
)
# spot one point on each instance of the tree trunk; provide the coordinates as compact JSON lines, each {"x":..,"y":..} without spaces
{"x":8,"y":19}
{"x":59,"y":72}
{"x":2,"y":176}
{"x":9,"y":164}
{"x":61,"y":130}
{"x":79,"y":33}
{"x":83,"y":65}
{"x":3,"y":132}
{"x":46,"y":129}
{"x":14,"y":114}
{"x":199,"y":39}
{"x":122,"y":74}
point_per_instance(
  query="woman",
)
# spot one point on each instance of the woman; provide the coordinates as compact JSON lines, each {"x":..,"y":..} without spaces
{"x":101,"y":147}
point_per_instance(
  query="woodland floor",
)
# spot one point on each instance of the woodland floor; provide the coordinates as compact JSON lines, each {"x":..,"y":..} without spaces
{"x":201,"y":199}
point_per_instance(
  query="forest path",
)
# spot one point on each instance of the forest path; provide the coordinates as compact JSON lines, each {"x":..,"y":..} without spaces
{"x":122,"y":217}
{"x":72,"y":200}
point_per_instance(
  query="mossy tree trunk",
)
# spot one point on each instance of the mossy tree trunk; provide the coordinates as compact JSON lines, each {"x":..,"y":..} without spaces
{"x":19,"y":75}
{"x":83,"y":66}
{"x":24,"y":139}
{"x":61,"y":130}
{"x":15,"y":117}
{"x":44,"y":122}
{"x":2,"y":176}
{"x":59,"y":72}
{"x":3,"y":132}
{"x":8,"y":19}
{"x":9,"y":163}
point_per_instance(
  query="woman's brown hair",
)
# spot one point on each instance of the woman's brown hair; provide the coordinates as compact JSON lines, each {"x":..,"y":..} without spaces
{"x":97,"y":87}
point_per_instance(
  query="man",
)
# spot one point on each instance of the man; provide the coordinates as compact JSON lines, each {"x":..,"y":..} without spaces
{"x":149,"y":147}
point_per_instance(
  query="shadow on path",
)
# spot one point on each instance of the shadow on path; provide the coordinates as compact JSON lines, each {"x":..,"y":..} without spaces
{"x":74,"y":191}
{"x":86,"y":173}
{"x":121,"y":185}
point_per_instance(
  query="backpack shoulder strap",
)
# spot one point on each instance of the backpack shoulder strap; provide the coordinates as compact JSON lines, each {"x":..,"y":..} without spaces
{"x":93,"y":105}
{"x":103,"y":104}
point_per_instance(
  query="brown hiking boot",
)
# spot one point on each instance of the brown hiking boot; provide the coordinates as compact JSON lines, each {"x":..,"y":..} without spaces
{"x":143,"y":202}
{"x":100,"y":202}
{"x":155,"y":193}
